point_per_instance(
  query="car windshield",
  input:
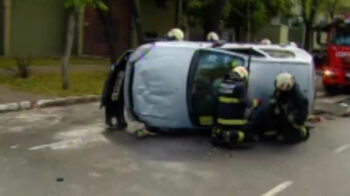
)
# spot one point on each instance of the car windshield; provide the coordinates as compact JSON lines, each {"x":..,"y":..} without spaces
{"x":342,"y":37}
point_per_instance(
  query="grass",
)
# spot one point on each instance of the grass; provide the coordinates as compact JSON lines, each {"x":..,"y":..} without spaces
{"x":82,"y":83}
{"x":49,"y":61}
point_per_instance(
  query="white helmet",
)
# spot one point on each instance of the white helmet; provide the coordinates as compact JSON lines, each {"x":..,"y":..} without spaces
{"x":176,"y":34}
{"x":242,"y":72}
{"x":293,"y":44}
{"x":265,"y":41}
{"x":285,"y":81}
{"x":212,"y":36}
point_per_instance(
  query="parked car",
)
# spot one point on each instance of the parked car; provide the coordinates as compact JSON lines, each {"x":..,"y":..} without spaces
{"x":172,"y":85}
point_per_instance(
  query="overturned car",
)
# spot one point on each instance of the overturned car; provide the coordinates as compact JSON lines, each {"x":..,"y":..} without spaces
{"x":172,"y":85}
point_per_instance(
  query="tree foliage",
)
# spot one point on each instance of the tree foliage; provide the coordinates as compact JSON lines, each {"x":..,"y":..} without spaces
{"x":334,"y":7}
{"x":261,"y":12}
{"x":78,"y":4}
{"x":234,"y":12}
{"x":210,"y":13}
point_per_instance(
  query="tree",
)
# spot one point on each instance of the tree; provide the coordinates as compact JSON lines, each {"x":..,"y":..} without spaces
{"x":210,"y":13}
{"x":73,"y":7}
{"x":253,"y":15}
{"x":135,"y":10}
{"x":334,"y":7}
{"x":310,"y":9}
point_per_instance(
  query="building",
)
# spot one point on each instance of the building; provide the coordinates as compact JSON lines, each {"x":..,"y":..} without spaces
{"x":37,"y":27}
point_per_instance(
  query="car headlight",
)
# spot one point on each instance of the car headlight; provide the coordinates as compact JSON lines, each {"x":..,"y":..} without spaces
{"x":328,"y":73}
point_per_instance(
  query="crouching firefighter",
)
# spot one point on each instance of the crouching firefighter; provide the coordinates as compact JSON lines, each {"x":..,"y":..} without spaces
{"x":232,"y":103}
{"x":288,"y":110}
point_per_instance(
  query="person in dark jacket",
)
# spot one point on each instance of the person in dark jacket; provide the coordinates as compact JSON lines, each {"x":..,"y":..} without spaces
{"x":288,"y":110}
{"x":113,"y":94}
{"x":230,"y":121}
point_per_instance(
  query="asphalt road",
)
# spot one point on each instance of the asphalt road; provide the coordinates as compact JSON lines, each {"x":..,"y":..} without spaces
{"x":65,"y":151}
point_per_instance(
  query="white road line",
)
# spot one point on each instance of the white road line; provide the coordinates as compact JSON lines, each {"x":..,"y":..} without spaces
{"x":277,"y":189}
{"x":342,"y":148}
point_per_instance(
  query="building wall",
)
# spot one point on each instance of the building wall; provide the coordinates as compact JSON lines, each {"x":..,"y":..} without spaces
{"x":37,"y":27}
{"x":157,"y":20}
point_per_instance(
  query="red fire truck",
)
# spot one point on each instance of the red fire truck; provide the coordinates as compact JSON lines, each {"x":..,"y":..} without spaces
{"x":334,"y":60}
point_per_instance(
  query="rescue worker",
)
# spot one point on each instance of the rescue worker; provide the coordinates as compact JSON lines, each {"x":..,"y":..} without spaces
{"x":176,"y":34}
{"x":213,"y":37}
{"x":288,"y":110}
{"x":113,"y":97}
{"x":230,"y":121}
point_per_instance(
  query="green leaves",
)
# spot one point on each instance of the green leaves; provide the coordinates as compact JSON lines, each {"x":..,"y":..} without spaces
{"x":78,"y":4}
{"x":234,"y":13}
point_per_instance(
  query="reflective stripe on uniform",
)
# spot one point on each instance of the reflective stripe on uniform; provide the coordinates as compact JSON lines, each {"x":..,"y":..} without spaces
{"x":240,"y":137}
{"x":222,"y":121}
{"x":255,"y":103}
{"x":205,"y":120}
{"x":228,"y":100}
{"x":301,"y":128}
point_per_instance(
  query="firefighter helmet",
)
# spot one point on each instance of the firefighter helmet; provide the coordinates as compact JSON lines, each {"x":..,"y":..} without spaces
{"x":266,"y":41}
{"x":242,"y":72}
{"x":176,"y":34}
{"x":285,"y":81}
{"x":213,"y":37}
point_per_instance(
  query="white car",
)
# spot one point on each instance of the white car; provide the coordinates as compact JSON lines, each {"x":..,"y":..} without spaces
{"x":172,"y":85}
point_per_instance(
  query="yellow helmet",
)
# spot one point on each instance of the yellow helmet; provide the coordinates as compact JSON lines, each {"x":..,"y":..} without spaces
{"x":242,"y":72}
{"x":285,"y":81}
{"x":176,"y":34}
{"x":212,"y":36}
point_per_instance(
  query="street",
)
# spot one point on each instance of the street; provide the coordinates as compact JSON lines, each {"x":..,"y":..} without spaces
{"x":65,"y":151}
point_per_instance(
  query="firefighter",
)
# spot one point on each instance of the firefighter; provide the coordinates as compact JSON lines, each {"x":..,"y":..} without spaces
{"x":176,"y":34}
{"x":213,"y":37}
{"x":288,"y":110}
{"x":232,"y":104}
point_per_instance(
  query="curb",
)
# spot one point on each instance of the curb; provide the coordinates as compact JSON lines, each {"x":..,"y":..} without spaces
{"x":44,"y":103}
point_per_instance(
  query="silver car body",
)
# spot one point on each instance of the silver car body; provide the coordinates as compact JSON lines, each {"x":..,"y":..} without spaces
{"x":157,"y":78}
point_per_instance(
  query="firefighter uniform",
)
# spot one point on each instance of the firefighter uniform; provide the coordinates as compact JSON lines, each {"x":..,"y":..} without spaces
{"x":232,"y":103}
{"x":288,"y":110}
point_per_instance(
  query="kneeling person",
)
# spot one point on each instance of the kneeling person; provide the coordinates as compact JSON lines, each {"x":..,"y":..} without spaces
{"x":288,"y":110}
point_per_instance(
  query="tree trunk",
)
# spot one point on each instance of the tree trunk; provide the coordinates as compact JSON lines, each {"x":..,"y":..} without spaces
{"x":68,"y":49}
{"x":308,"y":39}
{"x":110,"y":30}
{"x":137,"y":20}
{"x":249,"y":28}
{"x":237,"y":34}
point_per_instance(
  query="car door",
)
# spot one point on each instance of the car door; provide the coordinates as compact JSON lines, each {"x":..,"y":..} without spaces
{"x":113,"y":85}
{"x":207,"y":70}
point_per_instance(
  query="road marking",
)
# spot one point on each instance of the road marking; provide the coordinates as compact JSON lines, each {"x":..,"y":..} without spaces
{"x":342,"y":148}
{"x":277,"y":189}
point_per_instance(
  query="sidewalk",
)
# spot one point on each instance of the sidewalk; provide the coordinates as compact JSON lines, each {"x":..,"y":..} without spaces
{"x":8,"y":95}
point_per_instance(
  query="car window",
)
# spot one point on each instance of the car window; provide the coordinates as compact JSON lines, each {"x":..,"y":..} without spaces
{"x":279,"y":53}
{"x":211,"y":67}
